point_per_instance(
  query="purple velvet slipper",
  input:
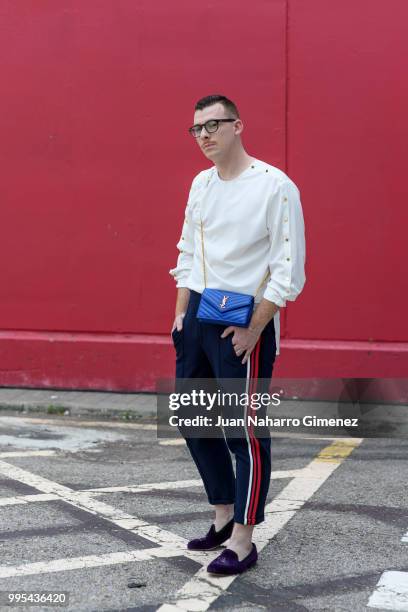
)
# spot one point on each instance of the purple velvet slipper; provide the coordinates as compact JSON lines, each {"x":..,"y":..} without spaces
{"x":227,"y":562}
{"x":213,"y":539}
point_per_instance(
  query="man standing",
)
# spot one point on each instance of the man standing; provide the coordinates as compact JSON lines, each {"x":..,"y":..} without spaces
{"x":248,"y":214}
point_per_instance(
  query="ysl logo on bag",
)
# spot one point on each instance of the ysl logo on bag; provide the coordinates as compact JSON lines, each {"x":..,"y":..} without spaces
{"x":224,"y":301}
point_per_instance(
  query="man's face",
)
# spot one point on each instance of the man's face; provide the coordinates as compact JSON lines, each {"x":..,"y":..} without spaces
{"x":216,"y":145}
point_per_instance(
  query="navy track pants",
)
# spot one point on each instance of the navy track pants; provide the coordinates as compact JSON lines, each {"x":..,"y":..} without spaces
{"x":202,"y":353}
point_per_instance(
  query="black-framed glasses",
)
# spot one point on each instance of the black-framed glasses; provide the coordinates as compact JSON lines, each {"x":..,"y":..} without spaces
{"x":210,"y":126}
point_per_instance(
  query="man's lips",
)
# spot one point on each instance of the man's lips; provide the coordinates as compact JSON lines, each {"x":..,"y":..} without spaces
{"x":209,"y":144}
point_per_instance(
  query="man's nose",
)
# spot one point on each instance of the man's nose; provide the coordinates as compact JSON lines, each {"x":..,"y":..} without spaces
{"x":203,"y":133}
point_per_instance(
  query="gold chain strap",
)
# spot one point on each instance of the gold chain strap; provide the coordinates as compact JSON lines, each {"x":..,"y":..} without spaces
{"x":202,"y":250}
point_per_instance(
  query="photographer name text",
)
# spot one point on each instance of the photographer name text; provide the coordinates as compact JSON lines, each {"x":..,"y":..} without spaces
{"x":266,"y":421}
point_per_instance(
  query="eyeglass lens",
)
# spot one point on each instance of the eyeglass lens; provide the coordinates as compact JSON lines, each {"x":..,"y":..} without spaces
{"x":210,"y":127}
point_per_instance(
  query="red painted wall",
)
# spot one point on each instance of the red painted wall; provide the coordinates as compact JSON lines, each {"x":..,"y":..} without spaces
{"x":96,"y":164}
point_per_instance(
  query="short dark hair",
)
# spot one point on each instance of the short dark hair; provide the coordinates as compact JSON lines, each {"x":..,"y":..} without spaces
{"x":213,"y":99}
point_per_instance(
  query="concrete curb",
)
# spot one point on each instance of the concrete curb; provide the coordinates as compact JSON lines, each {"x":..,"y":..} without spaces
{"x":126,"y":406}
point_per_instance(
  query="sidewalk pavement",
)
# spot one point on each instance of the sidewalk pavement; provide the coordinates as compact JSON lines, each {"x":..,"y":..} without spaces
{"x":127,"y":406}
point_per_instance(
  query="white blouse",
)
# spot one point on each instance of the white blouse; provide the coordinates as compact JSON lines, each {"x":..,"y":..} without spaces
{"x":252,"y":224}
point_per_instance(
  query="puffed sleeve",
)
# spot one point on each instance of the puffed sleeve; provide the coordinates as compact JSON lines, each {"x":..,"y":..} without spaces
{"x":288,"y":250}
{"x":186,"y":243}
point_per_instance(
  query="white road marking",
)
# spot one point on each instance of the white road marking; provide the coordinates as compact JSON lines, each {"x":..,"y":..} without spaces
{"x":203,"y":589}
{"x":62,"y":565}
{"x":177,"y":484}
{"x":28,"y":453}
{"x":26,"y":499}
{"x":81,"y":500}
{"x":391,"y":592}
{"x":143,"y":488}
{"x":405,"y":537}
{"x":149,"y":486}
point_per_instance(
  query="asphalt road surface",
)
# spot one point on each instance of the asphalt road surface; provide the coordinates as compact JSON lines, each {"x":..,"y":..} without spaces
{"x":102,"y":511}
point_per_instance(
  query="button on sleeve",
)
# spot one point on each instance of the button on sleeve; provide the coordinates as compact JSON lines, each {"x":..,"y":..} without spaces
{"x":287,"y":245}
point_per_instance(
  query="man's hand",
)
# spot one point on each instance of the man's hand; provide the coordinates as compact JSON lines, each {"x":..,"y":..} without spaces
{"x":243,"y":340}
{"x":183,"y":298}
{"x":178,"y":322}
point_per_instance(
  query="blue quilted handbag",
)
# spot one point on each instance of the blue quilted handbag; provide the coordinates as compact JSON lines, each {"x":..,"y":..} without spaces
{"x":225,"y":307}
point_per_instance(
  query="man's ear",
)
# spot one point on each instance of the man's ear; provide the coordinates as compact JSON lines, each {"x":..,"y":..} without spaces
{"x":239,"y":126}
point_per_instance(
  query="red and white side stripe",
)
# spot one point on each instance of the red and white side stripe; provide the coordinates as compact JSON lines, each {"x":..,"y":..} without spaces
{"x":254,"y":453}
